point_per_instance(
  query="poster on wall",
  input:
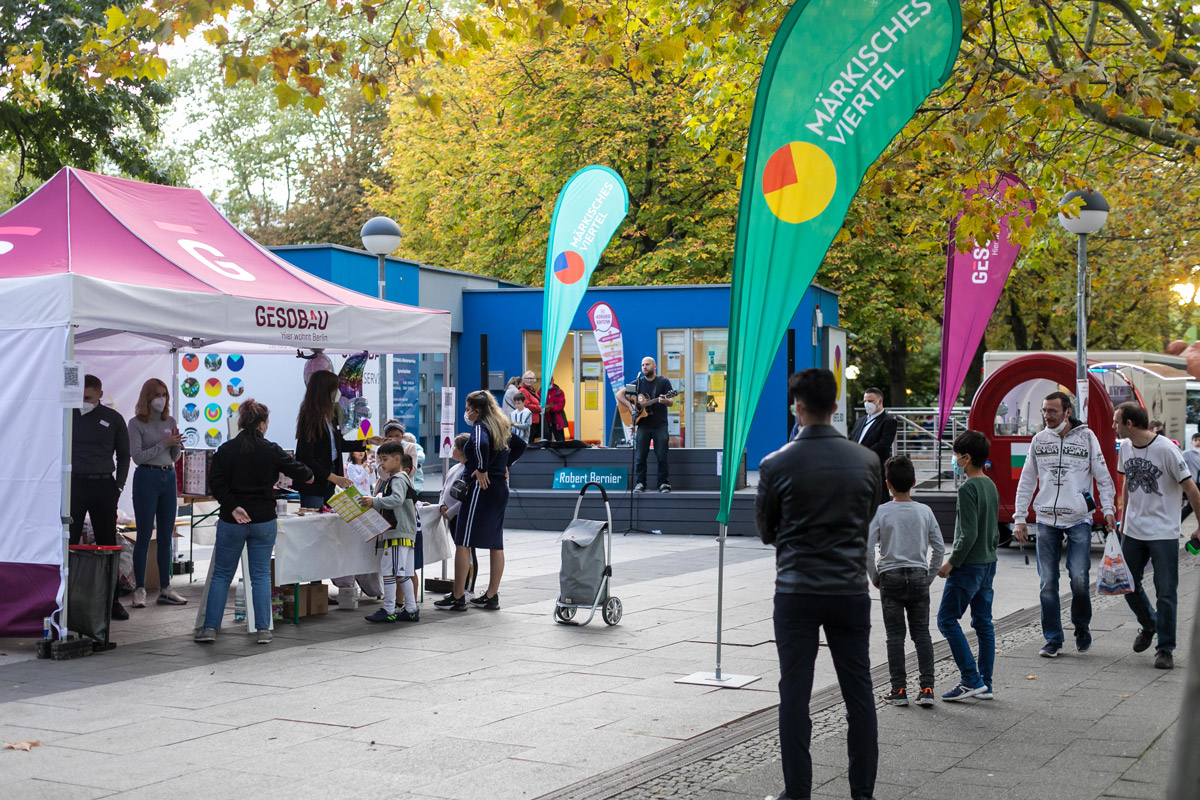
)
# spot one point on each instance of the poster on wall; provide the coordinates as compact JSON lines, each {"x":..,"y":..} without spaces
{"x":212,"y":386}
{"x":834,"y":360}
{"x":612,"y":351}
{"x":406,"y":390}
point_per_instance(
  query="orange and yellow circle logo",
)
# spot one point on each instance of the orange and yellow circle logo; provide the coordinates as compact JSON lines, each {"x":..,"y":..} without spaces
{"x":798,"y":182}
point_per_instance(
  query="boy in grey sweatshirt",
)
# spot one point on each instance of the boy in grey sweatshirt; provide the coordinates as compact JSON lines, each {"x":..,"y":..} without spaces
{"x":911,"y":547}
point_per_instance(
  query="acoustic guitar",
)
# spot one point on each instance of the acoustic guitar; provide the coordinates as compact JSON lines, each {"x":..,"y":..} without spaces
{"x":641,"y":409}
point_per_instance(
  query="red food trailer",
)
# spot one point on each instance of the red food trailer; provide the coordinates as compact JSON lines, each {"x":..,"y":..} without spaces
{"x":1007,"y":409}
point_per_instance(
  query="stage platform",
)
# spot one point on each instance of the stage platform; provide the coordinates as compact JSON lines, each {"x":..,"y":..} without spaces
{"x":692,"y":469}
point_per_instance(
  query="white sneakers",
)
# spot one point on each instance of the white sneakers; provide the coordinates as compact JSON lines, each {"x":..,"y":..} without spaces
{"x":139,"y":597}
{"x":169,"y":597}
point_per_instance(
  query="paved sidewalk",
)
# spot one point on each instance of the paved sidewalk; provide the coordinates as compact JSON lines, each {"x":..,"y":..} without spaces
{"x":1082,"y":726}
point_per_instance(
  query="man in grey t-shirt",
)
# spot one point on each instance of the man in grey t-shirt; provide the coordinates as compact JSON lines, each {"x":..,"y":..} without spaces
{"x":1156,"y":478}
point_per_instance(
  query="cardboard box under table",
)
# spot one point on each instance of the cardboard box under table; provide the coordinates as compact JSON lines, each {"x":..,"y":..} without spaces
{"x":309,"y":549}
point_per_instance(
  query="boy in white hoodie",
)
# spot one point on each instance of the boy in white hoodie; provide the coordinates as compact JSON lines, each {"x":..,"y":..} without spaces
{"x":1063,"y":461}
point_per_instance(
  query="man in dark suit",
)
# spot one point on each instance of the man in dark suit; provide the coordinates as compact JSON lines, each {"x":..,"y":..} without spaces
{"x":816,"y":498}
{"x":876,"y":431}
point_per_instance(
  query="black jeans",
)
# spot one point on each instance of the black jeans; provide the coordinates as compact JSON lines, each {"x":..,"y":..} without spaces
{"x":847,"y":623}
{"x":645,"y":437}
{"x":96,"y":498}
{"x":1164,"y":554}
{"x":905,"y":593}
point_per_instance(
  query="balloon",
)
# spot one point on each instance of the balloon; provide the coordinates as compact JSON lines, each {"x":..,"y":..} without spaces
{"x":318,"y":363}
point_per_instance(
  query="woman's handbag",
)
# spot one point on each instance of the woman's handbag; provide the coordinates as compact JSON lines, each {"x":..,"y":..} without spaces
{"x":460,"y":490}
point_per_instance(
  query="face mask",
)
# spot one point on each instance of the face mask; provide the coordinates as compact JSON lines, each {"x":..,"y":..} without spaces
{"x":1058,"y":429}
{"x":158,"y":403}
{"x":467,"y":418}
{"x":87,"y":408}
{"x":870,"y":407}
{"x":959,"y":471}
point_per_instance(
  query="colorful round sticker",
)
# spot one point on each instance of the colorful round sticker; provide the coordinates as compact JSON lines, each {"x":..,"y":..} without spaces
{"x":212,"y":412}
{"x":212,"y":437}
{"x":190,"y":363}
{"x":212,"y":387}
{"x":233,"y":409}
{"x":191,"y":412}
{"x":212,"y":362}
{"x":191,"y":437}
{"x":235,"y":363}
{"x":191,"y":387}
{"x":235,"y":387}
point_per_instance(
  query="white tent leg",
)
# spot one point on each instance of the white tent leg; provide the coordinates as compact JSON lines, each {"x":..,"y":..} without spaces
{"x":65,"y":503}
{"x":716,"y":678}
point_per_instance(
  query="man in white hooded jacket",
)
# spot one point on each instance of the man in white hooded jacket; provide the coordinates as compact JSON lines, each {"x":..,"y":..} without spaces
{"x":1063,"y":461}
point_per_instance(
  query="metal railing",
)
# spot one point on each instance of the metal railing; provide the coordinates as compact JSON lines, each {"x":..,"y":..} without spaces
{"x":916,"y":437}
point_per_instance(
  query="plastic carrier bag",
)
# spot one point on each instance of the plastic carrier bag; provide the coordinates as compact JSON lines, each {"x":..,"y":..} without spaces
{"x":1114,"y":577}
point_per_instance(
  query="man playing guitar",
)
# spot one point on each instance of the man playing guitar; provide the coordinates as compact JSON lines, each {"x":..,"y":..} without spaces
{"x":654,"y":397}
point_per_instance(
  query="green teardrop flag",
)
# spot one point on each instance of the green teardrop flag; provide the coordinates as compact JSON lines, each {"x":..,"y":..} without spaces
{"x":841,"y":79}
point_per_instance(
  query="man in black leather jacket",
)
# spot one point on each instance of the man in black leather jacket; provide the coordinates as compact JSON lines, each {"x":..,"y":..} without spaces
{"x":816,"y":497}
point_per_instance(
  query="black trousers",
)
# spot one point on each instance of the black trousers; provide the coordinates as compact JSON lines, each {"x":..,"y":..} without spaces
{"x":97,"y":498}
{"x":652,"y":436}
{"x":905,"y":593}
{"x":847,"y":623}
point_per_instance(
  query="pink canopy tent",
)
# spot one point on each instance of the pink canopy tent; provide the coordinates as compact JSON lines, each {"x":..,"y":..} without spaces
{"x":120,"y":266}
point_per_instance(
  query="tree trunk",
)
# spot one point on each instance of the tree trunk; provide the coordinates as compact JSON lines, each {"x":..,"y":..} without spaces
{"x":975,"y":373}
{"x":895,"y":360}
{"x":1015,"y":321}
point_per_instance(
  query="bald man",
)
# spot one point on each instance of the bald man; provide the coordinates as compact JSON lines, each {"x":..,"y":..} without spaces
{"x":651,"y":429}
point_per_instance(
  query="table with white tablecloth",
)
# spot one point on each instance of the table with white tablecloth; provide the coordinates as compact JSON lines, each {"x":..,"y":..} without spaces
{"x":312,"y":547}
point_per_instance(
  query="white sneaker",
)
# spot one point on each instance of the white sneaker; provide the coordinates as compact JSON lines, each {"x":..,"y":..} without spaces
{"x":139,"y":597}
{"x":170,"y":597}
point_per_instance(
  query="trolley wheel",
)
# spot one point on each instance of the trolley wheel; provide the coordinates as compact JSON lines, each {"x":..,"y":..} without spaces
{"x":612,"y":611}
{"x":564,"y":613}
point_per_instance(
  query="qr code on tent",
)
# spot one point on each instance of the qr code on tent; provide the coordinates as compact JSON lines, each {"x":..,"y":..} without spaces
{"x":70,"y":376}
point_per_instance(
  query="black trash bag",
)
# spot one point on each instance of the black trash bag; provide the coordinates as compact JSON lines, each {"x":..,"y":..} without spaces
{"x":91,"y":587}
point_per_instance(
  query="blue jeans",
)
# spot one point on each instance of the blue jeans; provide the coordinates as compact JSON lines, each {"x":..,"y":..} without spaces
{"x":259,"y":539}
{"x":970,"y":586}
{"x":645,"y":437}
{"x":1164,"y":553}
{"x":1079,"y":561}
{"x":153,"y":502}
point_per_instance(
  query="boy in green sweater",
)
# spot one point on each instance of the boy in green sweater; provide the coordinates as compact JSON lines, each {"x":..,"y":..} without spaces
{"x":970,"y":569}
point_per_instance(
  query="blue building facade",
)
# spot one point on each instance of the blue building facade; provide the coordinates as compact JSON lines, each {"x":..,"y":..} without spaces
{"x":497,"y":335}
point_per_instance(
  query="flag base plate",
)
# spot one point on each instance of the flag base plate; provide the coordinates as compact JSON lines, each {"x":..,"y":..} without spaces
{"x":726,"y":682}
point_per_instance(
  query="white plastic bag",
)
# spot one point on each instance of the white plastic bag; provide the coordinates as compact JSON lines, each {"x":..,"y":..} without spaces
{"x":1114,"y":577}
{"x":436,"y":541}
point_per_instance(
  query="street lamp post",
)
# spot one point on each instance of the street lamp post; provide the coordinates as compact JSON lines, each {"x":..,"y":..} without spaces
{"x":1088,"y":220}
{"x":381,"y":236}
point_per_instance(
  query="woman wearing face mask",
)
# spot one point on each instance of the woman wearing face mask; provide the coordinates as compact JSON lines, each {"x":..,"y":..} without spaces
{"x":319,"y":442}
{"x":491,"y":449}
{"x":155,"y":446}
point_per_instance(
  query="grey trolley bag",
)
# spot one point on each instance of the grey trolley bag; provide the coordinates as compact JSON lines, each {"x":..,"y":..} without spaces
{"x":583,"y":581}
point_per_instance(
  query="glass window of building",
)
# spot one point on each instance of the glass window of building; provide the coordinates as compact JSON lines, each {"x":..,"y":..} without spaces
{"x":695,"y":360}
{"x":579,"y":372}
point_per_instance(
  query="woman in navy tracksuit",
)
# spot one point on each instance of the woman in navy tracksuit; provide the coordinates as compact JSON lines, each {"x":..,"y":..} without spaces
{"x":491,"y":449}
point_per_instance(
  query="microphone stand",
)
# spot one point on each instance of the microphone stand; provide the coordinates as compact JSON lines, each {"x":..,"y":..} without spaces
{"x":633,"y":477}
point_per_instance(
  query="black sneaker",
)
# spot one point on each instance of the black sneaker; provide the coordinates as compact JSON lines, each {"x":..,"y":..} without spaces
{"x":897,"y":697}
{"x":1050,"y":650}
{"x":408,"y":616}
{"x":487,"y":603}
{"x":925,"y":698}
{"x":452,"y":603}
{"x":1083,"y":640}
{"x":639,"y":487}
{"x":1143,"y":641}
{"x":665,"y":488}
{"x":119,"y":612}
{"x":1164,"y":660}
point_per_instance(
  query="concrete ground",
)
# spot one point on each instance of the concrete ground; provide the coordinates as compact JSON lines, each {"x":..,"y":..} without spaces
{"x":501,"y":704}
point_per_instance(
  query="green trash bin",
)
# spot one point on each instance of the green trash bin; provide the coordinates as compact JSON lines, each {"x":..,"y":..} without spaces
{"x":91,"y":586}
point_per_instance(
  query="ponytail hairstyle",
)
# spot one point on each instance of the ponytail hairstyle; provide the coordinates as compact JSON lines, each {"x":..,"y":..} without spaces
{"x":499,"y":427}
{"x":251,"y":414}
